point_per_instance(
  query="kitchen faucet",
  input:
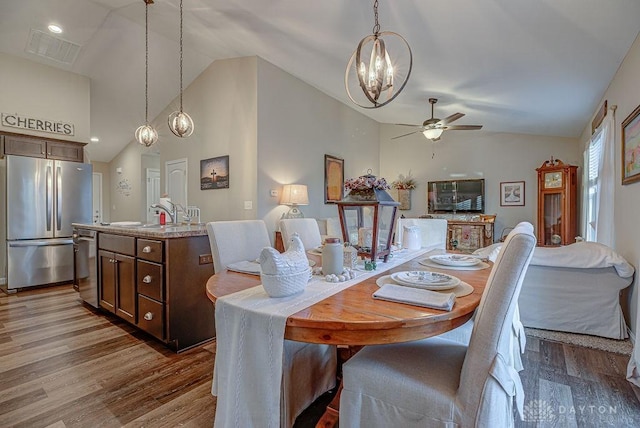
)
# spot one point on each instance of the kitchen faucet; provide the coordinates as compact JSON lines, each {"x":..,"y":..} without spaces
{"x":173,"y":214}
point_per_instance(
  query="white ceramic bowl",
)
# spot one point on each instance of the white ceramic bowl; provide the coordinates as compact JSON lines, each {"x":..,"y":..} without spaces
{"x":285,"y":285}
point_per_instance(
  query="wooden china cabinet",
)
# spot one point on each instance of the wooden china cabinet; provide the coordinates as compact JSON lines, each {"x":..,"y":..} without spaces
{"x":557,"y":203}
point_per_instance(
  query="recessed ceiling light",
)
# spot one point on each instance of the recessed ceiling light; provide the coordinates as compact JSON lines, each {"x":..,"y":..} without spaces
{"x":56,"y":29}
{"x":95,"y":139}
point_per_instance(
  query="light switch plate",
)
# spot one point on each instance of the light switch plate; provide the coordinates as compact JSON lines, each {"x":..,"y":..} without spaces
{"x":248,"y":205}
{"x":273,"y":193}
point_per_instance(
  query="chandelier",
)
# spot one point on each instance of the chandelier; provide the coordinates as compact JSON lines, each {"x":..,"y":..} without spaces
{"x":379,"y":78}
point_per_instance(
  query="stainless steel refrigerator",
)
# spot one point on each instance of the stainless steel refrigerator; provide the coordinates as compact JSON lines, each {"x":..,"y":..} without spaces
{"x":43,"y":198}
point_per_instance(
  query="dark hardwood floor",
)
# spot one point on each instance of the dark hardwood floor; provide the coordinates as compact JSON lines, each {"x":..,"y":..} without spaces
{"x":64,"y":365}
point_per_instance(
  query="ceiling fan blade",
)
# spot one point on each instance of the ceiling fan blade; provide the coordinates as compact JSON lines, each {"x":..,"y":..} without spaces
{"x":451,"y":118}
{"x":463,"y":127}
{"x":404,"y":135}
{"x":408,"y":124}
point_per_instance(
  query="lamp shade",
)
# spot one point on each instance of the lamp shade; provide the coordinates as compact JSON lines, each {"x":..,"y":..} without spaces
{"x":294,"y":194}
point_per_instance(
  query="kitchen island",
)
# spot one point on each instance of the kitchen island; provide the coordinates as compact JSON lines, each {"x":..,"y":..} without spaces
{"x":154,"y":277}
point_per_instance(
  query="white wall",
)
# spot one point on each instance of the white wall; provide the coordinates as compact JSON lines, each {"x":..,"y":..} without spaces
{"x":43,"y":92}
{"x":297,"y":126}
{"x":624,"y":91}
{"x":127,"y":196}
{"x":496,"y":157}
{"x":222,"y":103}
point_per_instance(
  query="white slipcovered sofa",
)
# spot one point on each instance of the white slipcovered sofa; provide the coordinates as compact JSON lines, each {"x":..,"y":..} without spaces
{"x":574,"y":288}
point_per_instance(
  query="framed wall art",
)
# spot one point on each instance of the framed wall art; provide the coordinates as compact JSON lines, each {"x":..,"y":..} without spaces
{"x":631,"y":147}
{"x":214,"y":173}
{"x":333,"y":179}
{"x":512,"y":194}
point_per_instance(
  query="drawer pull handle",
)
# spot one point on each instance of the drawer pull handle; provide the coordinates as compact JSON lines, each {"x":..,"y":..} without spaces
{"x":147,"y":279}
{"x":146,"y":249}
{"x":148,"y":316}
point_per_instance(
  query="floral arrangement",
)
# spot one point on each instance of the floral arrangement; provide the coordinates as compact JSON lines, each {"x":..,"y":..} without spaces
{"x":404,"y":182}
{"x":366,"y":182}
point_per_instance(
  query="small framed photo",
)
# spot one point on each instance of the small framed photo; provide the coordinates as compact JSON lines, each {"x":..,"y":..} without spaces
{"x":512,"y":194}
{"x":333,"y":179}
{"x":214,"y":173}
{"x":631,"y":147}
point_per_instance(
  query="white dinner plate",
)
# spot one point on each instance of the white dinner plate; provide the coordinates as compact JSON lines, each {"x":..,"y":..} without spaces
{"x":425,"y":279}
{"x":460,"y":290}
{"x":455,"y":260}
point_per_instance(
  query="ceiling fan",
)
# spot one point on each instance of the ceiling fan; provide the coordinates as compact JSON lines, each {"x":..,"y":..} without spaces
{"x":433,"y":127}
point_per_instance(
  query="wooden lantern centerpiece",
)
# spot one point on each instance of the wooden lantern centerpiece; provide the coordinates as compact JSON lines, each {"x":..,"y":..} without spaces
{"x":367,"y":215}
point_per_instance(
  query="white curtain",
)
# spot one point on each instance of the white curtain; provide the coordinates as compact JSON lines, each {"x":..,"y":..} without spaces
{"x":633,"y":368}
{"x":606,"y":184}
{"x":585,"y":226}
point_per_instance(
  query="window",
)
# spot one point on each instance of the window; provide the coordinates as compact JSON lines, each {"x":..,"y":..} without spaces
{"x":592,"y":176}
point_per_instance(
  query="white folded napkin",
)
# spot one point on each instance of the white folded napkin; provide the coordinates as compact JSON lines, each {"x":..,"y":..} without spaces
{"x":416,"y":296}
{"x":245,"y":266}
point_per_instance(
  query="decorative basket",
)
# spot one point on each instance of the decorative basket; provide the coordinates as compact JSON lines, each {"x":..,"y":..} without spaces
{"x":285,"y":285}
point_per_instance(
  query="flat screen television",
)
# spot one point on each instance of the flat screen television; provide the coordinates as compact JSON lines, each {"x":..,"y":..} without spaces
{"x":455,"y":196}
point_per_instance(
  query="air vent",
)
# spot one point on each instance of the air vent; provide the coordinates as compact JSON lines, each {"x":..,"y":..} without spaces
{"x":48,"y":46}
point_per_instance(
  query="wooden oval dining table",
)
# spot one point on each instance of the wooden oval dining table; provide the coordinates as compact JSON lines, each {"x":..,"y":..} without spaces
{"x":354,"y":318}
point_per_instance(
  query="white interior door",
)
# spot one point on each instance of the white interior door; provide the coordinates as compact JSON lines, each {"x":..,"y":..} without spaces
{"x":176,"y":181}
{"x":97,"y":198}
{"x":153,"y":193}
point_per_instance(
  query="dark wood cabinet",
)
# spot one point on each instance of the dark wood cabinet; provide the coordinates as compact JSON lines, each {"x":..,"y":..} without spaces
{"x":158,"y":285}
{"x":43,"y":148}
{"x":117,"y":276}
{"x":557,"y":203}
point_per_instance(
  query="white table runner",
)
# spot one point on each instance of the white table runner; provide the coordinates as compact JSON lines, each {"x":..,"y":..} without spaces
{"x":250,"y":339}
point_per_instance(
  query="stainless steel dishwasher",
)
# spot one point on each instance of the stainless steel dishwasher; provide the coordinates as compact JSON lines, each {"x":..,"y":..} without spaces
{"x":86,"y":265}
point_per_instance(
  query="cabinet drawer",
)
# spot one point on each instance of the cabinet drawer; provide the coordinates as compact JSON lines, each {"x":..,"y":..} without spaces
{"x":150,"y":250}
{"x":117,"y":243}
{"x":150,"y":280}
{"x":151,"y":316}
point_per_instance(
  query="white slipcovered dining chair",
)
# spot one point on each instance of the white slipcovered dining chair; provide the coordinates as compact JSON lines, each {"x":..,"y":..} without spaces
{"x":308,"y":370}
{"x":306,"y":228}
{"x":438,"y":382}
{"x":235,"y":241}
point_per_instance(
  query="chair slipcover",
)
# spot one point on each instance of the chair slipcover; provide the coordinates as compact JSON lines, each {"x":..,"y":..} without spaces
{"x":235,"y":241}
{"x":574,"y":288}
{"x":433,"y":231}
{"x":306,"y":228}
{"x":308,"y":370}
{"x":442,"y":383}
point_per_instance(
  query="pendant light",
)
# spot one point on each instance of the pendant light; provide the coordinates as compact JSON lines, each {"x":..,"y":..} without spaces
{"x":180,"y":123}
{"x":146,"y":134}
{"x":379,"y":77}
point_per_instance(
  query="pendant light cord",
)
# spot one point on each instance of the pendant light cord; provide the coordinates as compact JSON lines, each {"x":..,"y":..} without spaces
{"x":376,"y":26}
{"x":146,"y":64}
{"x":180,"y":56}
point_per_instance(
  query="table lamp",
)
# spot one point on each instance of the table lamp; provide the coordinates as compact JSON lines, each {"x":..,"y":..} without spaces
{"x":294,"y":195}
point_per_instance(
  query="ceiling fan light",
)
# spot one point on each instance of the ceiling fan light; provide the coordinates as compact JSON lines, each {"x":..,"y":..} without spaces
{"x":433,"y":133}
{"x":146,"y":135}
{"x":181,"y":124}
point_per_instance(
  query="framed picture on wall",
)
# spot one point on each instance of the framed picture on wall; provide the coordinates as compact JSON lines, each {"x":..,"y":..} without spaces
{"x":631,"y":147}
{"x":512,"y":194}
{"x":333,"y":179}
{"x":214,"y":173}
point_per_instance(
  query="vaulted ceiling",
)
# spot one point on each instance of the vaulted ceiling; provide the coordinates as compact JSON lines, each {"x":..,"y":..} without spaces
{"x":521,"y":66}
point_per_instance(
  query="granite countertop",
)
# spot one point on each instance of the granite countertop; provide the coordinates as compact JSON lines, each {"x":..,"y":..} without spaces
{"x":150,"y":231}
